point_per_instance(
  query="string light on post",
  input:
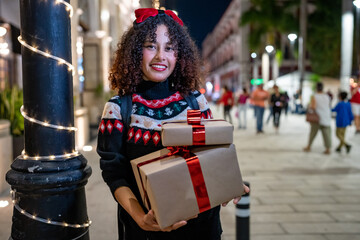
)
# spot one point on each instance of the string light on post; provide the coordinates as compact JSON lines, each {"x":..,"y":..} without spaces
{"x":51,"y":157}
{"x":68,"y":8}
{"x":48,"y":55}
{"x":45,"y":124}
{"x":45,"y":220}
{"x":3,"y":31}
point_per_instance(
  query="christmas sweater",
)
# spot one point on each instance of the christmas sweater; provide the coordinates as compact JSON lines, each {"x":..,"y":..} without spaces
{"x":151,"y":104}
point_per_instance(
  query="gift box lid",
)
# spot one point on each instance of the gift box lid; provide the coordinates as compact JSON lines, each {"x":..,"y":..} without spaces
{"x":179,"y":133}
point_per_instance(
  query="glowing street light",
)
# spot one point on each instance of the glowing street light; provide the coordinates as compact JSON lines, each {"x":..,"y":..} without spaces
{"x":269,"y":48}
{"x":356,"y":3}
{"x":292,"y":37}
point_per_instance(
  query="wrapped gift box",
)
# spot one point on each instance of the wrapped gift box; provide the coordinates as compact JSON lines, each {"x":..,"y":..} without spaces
{"x":180,"y":133}
{"x":170,"y":186}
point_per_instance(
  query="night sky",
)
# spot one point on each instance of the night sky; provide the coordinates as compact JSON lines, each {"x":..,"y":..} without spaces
{"x":200,"y":16}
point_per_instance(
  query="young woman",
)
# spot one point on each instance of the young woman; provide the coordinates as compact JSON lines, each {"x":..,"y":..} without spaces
{"x":158,"y":65}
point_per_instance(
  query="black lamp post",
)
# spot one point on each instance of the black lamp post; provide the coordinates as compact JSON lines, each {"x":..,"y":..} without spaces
{"x":48,"y":179}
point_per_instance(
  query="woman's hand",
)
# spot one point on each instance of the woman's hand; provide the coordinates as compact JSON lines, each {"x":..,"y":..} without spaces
{"x":148,"y":223}
{"x":237,"y":199}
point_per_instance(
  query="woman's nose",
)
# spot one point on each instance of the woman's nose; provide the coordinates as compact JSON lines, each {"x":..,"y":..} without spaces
{"x":160,"y":54}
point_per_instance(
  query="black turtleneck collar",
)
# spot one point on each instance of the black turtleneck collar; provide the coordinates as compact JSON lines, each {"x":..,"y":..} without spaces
{"x":154,"y":90}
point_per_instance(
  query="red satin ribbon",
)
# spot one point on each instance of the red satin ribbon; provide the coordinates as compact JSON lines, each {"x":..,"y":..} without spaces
{"x":142,"y":14}
{"x":198,"y":182}
{"x":194,"y":119}
{"x":197,"y":178}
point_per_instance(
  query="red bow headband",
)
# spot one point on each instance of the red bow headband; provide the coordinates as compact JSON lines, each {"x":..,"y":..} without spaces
{"x":142,"y":14}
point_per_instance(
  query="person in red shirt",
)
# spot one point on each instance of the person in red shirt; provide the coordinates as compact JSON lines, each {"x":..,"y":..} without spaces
{"x":355,"y":106}
{"x":228,"y":100}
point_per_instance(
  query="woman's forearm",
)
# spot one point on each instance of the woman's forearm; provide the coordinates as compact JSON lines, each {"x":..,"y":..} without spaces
{"x":129,"y":202}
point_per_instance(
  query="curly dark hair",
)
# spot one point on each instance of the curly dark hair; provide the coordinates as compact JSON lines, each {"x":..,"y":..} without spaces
{"x":126,"y":75}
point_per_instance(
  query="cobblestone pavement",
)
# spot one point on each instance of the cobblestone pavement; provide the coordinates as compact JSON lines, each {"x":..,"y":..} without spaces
{"x":294,"y":195}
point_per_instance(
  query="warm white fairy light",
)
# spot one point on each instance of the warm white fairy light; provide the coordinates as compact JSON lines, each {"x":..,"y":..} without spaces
{"x":68,"y":8}
{"x":87,"y":148}
{"x":47,"y":220}
{"x":45,"y":124}
{"x":3,"y":203}
{"x":50,"y":157}
{"x":48,"y":55}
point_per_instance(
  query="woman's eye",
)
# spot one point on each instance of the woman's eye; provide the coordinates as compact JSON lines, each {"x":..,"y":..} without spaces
{"x":169,"y":49}
{"x":150,"y":46}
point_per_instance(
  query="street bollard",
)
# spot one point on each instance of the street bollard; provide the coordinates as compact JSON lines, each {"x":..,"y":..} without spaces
{"x":243,"y":217}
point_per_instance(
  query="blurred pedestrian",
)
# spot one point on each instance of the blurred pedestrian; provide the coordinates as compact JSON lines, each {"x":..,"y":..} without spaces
{"x":242,"y":107}
{"x":298,"y":102}
{"x":355,"y":105}
{"x":320,"y":101}
{"x":286,"y":103}
{"x":344,"y":118}
{"x":331,"y":96}
{"x":228,"y":100}
{"x":271,"y":91}
{"x":277,"y":102}
{"x":259,"y":97}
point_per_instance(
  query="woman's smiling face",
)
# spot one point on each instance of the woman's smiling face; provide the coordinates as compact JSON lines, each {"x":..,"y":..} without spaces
{"x":159,"y":58}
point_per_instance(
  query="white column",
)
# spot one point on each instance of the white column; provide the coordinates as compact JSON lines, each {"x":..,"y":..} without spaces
{"x":275,"y":69}
{"x":347,"y":29}
{"x":105,"y":20}
{"x":93,"y":15}
{"x":256,"y":69}
{"x":265,"y":68}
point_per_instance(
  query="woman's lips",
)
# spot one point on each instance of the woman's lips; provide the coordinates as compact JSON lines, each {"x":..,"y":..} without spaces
{"x":158,"y":67}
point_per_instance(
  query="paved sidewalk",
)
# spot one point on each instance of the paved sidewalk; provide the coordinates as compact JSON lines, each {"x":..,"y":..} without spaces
{"x":294,"y":195}
{"x":297,"y":195}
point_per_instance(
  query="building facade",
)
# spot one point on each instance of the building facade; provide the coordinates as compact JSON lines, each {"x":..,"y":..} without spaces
{"x":226,"y":52}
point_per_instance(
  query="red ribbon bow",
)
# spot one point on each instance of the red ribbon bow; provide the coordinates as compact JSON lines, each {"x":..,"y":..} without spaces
{"x":194,"y":119}
{"x":142,"y":14}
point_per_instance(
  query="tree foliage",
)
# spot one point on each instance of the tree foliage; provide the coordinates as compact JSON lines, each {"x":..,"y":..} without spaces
{"x":11,"y":100}
{"x":324,"y":37}
{"x":268,"y":19}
